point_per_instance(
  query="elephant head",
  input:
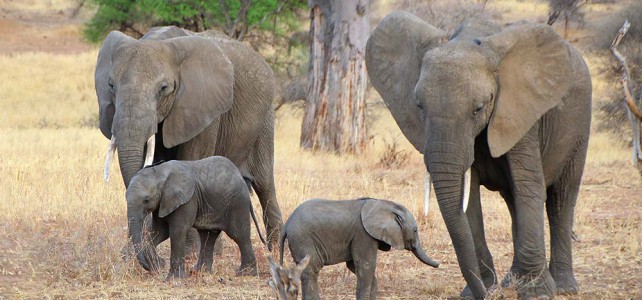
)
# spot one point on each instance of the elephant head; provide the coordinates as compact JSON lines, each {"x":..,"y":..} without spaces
{"x":160,"y":189}
{"x":395,"y":226}
{"x":183,"y":83}
{"x":445,"y":94}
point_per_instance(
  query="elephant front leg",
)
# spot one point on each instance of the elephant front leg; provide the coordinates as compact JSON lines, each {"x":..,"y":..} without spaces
{"x":476,"y":223}
{"x":529,"y":193}
{"x":178,"y":236}
{"x":511,"y":276}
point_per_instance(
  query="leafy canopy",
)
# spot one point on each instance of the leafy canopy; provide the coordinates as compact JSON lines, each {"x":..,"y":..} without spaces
{"x":235,"y":18}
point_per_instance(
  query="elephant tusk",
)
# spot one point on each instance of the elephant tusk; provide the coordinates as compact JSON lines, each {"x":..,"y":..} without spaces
{"x":109,"y":157}
{"x":466,"y":196}
{"x":427,"y":188}
{"x":151,"y":147}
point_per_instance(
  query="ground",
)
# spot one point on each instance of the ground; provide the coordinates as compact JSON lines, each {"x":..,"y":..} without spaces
{"x":62,"y":227}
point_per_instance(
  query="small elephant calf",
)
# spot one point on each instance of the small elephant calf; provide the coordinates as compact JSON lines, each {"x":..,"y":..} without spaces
{"x":209,"y":195}
{"x":349,"y":231}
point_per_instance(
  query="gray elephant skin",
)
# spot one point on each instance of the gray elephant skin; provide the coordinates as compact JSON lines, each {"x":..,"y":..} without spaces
{"x":349,"y":231}
{"x":197,"y":95}
{"x":210,"y":195}
{"x":506,"y":108}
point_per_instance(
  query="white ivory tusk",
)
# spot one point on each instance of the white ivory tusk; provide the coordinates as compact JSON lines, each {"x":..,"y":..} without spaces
{"x":427,"y":188}
{"x":109,"y":157}
{"x":466,"y":196}
{"x":151,"y":147}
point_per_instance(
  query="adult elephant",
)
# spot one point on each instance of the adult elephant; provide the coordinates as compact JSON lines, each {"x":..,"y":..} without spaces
{"x":507,"y":109}
{"x":175,"y":94}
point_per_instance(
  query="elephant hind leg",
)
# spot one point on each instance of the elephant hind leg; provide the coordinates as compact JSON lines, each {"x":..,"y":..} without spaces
{"x":206,"y":255}
{"x":560,"y":208}
{"x":239,"y":231}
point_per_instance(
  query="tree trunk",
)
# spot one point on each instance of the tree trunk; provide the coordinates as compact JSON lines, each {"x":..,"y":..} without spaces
{"x":334,"y":119}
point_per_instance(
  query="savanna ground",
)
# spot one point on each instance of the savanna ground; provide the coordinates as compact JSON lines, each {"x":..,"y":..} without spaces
{"x":62,"y":227}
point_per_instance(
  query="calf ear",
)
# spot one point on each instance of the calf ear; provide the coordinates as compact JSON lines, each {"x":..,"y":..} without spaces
{"x":381,"y":221}
{"x":178,"y":188}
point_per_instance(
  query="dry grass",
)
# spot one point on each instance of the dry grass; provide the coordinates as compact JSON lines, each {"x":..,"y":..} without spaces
{"x":62,"y":227}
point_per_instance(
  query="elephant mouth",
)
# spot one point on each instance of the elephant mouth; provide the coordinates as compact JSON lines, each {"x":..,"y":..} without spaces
{"x":111,"y":149}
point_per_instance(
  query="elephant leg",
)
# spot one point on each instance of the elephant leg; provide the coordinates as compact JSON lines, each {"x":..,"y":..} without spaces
{"x":178,"y":236}
{"x":529,"y":192}
{"x":476,"y":223}
{"x":511,"y":278}
{"x":560,"y":207}
{"x":373,"y":288}
{"x":192,"y":242}
{"x":309,"y":281}
{"x":239,"y":232}
{"x":206,"y":255}
{"x":261,"y":165}
{"x":364,"y":254}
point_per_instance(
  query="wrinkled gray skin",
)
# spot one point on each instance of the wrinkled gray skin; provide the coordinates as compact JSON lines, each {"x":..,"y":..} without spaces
{"x":200,"y":94}
{"x":512,"y":105}
{"x":209,"y":195}
{"x":349,"y":231}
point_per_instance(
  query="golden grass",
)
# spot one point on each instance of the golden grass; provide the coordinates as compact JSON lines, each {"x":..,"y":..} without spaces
{"x":62,"y":227}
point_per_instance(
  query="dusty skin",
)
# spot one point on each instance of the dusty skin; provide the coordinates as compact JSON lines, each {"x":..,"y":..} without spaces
{"x":62,"y":227}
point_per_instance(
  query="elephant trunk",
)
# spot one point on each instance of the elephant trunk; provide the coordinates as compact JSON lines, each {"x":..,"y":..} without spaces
{"x":130,"y":159}
{"x":419,"y":252}
{"x":145,"y":252}
{"x":448,"y":170}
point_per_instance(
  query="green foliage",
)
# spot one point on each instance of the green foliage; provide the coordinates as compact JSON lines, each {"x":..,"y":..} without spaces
{"x":135,"y":17}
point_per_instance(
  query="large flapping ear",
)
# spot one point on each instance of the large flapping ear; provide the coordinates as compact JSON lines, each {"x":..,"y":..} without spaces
{"x":393,"y":59}
{"x":101,"y":79}
{"x":164,"y":32}
{"x":178,"y":188}
{"x":534,"y":75}
{"x":381,"y":220}
{"x":205,"y":88}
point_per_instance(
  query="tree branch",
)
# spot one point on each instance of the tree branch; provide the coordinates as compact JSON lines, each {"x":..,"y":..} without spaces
{"x":228,"y":19}
{"x":633,"y":112}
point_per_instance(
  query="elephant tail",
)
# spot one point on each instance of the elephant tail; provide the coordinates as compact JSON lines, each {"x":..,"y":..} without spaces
{"x":282,"y":238}
{"x":258,"y":229}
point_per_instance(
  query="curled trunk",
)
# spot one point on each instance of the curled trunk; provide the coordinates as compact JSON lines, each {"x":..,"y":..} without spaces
{"x":143,"y":246}
{"x":419,"y":252}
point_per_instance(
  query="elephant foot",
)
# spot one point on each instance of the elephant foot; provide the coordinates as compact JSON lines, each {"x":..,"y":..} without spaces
{"x":510,"y":279}
{"x":540,"y":287}
{"x":489,"y":283}
{"x":180,"y":274}
{"x":247,"y":271}
{"x":566,"y":284}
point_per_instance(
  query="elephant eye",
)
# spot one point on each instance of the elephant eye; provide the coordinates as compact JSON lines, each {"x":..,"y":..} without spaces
{"x":478,"y":108}
{"x":163,"y":86}
{"x":420,"y":105}
{"x":146,"y":201}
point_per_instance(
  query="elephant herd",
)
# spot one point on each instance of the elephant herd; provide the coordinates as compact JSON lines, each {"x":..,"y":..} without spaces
{"x":507,"y":108}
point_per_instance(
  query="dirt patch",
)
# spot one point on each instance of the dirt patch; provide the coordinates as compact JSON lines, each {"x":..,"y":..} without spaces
{"x":45,"y":26}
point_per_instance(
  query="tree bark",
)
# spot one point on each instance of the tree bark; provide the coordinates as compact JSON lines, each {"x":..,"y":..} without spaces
{"x":334,"y":119}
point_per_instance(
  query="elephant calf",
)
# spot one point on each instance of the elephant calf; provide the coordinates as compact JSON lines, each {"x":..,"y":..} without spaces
{"x":350,"y":231}
{"x":209,"y":195}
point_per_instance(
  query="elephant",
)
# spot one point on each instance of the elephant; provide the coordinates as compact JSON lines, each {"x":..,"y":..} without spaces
{"x":175,"y":94}
{"x":504,"y":108}
{"x":350,"y":231}
{"x":209,"y":194}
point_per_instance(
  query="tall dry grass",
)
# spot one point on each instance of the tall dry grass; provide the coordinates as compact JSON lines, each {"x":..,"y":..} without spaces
{"x":62,"y":227}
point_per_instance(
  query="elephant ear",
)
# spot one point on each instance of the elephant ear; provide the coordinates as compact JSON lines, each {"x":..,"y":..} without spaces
{"x":381,"y":221}
{"x":205,"y":88}
{"x":106,"y":107}
{"x":393,"y":59}
{"x":534,"y":75}
{"x":178,"y":188}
